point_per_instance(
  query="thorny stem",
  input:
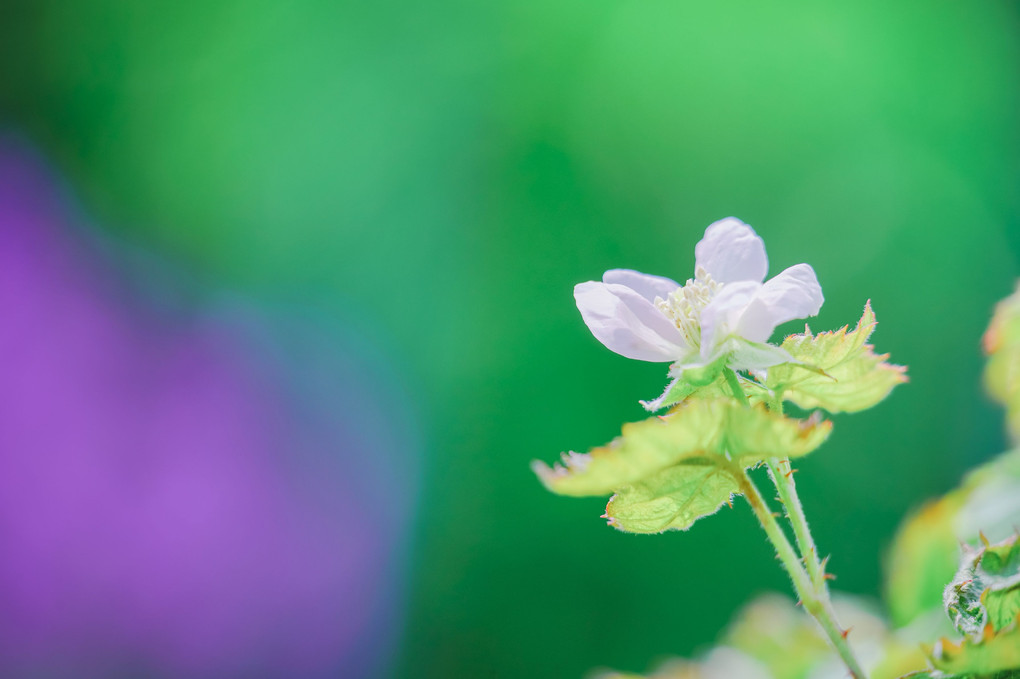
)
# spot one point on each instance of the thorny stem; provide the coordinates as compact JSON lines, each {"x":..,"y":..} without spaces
{"x":815,"y":601}
{"x":787,"y":488}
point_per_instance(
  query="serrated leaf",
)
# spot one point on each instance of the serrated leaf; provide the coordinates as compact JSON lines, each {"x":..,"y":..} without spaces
{"x":756,"y":434}
{"x":668,"y":471}
{"x":701,"y":428}
{"x":925,"y":552}
{"x":986,"y":656}
{"x":986,"y":589}
{"x":642,"y":449}
{"x":837,"y":371}
{"x":673,"y":498}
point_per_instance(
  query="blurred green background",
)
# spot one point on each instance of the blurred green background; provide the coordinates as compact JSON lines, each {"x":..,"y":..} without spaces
{"x":442,"y":174}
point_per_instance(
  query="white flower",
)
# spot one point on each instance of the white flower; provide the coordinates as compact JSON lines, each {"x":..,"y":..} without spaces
{"x":724,"y":311}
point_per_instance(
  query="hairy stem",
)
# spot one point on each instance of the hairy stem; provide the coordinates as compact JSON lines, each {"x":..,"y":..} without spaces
{"x":787,"y":489}
{"x":815,"y":601}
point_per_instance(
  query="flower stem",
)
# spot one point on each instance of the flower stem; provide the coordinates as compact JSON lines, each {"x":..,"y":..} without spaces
{"x":787,"y":489}
{"x":815,"y":601}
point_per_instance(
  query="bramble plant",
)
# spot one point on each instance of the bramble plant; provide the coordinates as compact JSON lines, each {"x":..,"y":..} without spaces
{"x":725,"y":400}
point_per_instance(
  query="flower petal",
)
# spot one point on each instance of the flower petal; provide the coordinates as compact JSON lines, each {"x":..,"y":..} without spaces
{"x":627,"y":323}
{"x":731,"y":251}
{"x":794,"y":293}
{"x":646,"y":285}
{"x":720,"y":317}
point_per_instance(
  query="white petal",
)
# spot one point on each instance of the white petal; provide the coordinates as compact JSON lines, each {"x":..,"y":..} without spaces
{"x":754,"y":356}
{"x":719,"y":318}
{"x":646,"y":285}
{"x":731,"y":251}
{"x":794,"y":293}
{"x":627,"y":323}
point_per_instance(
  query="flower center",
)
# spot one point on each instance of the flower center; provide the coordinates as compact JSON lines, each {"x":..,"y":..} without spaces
{"x":683,"y":306}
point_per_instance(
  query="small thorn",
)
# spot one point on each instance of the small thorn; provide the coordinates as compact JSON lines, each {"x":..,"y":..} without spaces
{"x":777,"y":515}
{"x":984,"y":540}
{"x":845,"y":633}
{"x":800,"y":602}
{"x":791,"y":472}
{"x":730,"y":502}
{"x":828,"y":576}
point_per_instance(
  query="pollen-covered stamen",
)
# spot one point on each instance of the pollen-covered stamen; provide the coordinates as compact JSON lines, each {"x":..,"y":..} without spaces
{"x":683,"y":306}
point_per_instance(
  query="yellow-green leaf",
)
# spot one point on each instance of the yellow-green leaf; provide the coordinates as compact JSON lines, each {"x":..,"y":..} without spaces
{"x":674,"y":498}
{"x":992,"y":652}
{"x":668,"y":471}
{"x":755,"y":434}
{"x":699,"y":428}
{"x":925,"y":554}
{"x":692,"y":430}
{"x":837,"y":371}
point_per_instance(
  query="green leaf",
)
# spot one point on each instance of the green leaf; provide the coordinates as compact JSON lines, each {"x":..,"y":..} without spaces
{"x":666,"y":472}
{"x":644,"y":448}
{"x":925,"y":553}
{"x":986,"y":589}
{"x":756,"y":434}
{"x":837,"y":371}
{"x":672,"y":499}
{"x":993,"y":654}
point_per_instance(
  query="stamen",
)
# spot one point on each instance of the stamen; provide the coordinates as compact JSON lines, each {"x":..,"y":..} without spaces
{"x":683,"y":306}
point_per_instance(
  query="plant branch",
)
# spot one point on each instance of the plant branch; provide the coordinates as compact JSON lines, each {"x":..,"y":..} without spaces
{"x":815,"y":601}
{"x":787,"y":488}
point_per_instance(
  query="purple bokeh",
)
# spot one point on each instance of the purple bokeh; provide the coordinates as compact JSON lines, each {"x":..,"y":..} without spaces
{"x":168,"y":507}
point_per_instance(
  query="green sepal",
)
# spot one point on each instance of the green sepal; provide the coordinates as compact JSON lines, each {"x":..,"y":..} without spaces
{"x":680,"y":390}
{"x":668,"y":471}
{"x":986,"y":589}
{"x":837,"y":371}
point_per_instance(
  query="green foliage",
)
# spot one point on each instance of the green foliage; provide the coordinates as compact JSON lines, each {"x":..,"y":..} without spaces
{"x":705,"y":382}
{"x":925,"y":553}
{"x":682,"y":388}
{"x":666,"y":472}
{"x":672,"y":499}
{"x":771,"y":638}
{"x":986,"y":589}
{"x":993,"y":654}
{"x":837,"y":371}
